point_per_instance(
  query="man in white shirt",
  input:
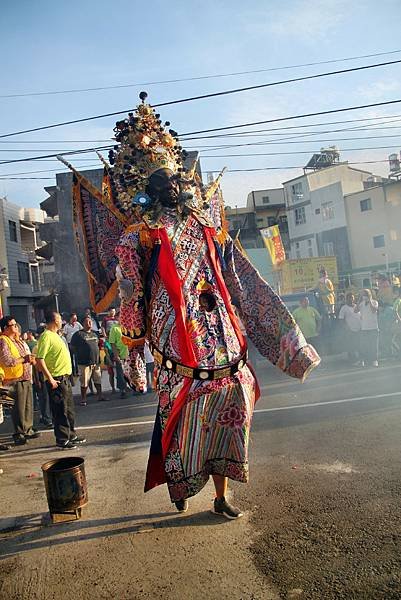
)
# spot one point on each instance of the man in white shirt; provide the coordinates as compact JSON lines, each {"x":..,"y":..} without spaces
{"x":368,"y":309}
{"x":68,"y":331}
{"x":352,"y":326}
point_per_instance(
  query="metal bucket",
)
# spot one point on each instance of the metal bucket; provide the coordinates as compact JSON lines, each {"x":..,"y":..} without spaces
{"x":66,"y":488}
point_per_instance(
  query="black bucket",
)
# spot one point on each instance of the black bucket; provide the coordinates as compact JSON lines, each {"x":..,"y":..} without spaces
{"x":65,"y":484}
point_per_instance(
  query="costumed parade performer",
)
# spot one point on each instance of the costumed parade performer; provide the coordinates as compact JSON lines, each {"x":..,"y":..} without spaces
{"x":179,"y":272}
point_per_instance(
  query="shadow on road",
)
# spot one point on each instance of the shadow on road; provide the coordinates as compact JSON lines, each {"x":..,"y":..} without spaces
{"x":35,"y":531}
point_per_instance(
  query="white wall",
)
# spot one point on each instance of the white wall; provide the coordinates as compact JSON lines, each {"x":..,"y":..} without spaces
{"x":383,"y":219}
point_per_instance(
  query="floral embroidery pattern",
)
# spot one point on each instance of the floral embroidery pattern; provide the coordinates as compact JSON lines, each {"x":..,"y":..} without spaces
{"x":232,"y":416}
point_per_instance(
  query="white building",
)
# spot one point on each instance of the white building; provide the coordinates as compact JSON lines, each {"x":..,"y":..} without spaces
{"x":22,"y":267}
{"x":374,"y":227}
{"x":316,"y":213}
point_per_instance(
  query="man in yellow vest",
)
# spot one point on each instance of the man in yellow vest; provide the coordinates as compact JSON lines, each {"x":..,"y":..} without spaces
{"x":16,"y":362}
{"x":53,"y":359}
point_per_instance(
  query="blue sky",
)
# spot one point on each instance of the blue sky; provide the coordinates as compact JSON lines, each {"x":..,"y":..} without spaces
{"x":49,"y":45}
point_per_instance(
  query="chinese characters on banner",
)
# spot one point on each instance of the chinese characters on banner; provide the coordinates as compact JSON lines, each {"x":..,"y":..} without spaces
{"x":272,"y":240}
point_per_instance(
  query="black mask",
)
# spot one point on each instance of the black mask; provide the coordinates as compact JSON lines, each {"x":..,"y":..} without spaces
{"x":163,"y":187}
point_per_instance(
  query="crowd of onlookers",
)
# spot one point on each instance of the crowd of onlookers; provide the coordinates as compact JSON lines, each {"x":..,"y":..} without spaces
{"x":366,"y":323}
{"x":38,"y":370}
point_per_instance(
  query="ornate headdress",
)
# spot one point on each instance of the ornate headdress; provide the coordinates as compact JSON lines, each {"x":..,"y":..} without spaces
{"x":145,"y":146}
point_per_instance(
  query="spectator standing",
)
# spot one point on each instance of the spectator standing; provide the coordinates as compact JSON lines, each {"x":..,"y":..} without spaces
{"x":385,"y":290}
{"x":95,"y":321}
{"x":31,"y":340}
{"x":352,"y":326}
{"x":109,"y":320}
{"x":326,"y":291}
{"x":3,"y":447}
{"x":308,"y":320}
{"x":109,"y":362}
{"x":85,"y":344}
{"x":69,"y":329}
{"x":54,"y":360}
{"x":40,"y":389}
{"x":368,"y":308}
{"x":150,"y":366}
{"x":396,"y":341}
{"x":120,"y":353}
{"x":16,"y":362}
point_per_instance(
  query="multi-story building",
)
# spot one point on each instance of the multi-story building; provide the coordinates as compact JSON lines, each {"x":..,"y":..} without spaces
{"x":374,"y":227}
{"x":22,"y":267}
{"x":70,"y":281}
{"x":316,"y":211}
{"x":264,"y":208}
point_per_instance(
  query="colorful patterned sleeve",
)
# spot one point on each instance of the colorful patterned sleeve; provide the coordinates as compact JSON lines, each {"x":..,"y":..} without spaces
{"x":131,"y":283}
{"x":267,"y":321}
{"x":130,"y":277}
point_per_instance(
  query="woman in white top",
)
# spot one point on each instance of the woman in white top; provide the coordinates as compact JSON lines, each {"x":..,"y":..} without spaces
{"x":352,"y":326}
{"x":368,"y":308}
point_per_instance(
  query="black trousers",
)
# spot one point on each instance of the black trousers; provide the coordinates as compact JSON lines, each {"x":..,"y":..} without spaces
{"x":62,"y":408}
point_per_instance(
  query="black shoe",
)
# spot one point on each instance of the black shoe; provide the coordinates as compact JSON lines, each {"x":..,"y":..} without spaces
{"x":182,"y":505}
{"x":123,"y":394}
{"x":20,"y":441}
{"x":32,"y":436}
{"x":223,"y":508}
{"x":78,"y":440}
{"x":68,"y":445}
{"x":4,"y":447}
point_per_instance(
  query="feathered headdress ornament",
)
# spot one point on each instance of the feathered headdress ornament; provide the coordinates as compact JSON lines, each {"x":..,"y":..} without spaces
{"x":145,"y":146}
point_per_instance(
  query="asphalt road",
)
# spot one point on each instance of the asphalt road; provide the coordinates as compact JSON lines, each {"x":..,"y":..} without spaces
{"x":322,"y":507}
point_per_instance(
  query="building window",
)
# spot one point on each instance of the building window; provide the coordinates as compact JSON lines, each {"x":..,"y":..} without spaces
{"x":297,"y":245}
{"x":23,"y":272}
{"x":35,"y":278}
{"x":328,"y":249}
{"x":259,"y":220}
{"x":378,"y":241}
{"x":317,"y":211}
{"x":309,"y":242}
{"x":327,"y":211}
{"x":265,"y":200}
{"x":12,"y":227}
{"x":366,"y":204}
{"x":271,"y":221}
{"x":300,"y":217}
{"x":297,"y":191}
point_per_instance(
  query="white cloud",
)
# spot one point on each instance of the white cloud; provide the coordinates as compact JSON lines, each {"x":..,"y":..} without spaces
{"x":308,"y":20}
{"x":378,"y":90}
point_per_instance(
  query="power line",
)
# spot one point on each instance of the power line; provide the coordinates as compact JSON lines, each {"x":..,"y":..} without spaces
{"x":205,"y":148}
{"x":199,"y":78}
{"x":366,"y":162}
{"x":301,"y":116}
{"x":296,"y":152}
{"x":69,"y":153}
{"x":212,"y":136}
{"x":250,"y":134}
{"x":211,"y":95}
{"x":281,"y":142}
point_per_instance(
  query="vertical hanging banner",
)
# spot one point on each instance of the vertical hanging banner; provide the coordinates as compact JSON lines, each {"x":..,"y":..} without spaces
{"x":272,"y":239}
